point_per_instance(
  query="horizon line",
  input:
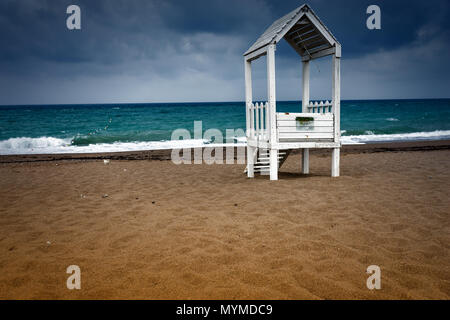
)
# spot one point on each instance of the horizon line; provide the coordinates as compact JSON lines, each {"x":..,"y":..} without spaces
{"x":201,"y":102}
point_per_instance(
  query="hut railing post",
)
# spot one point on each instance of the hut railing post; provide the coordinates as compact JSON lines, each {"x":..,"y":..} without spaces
{"x":249,"y":116}
{"x":336,"y":94}
{"x":305,"y":85}
{"x":305,"y":104}
{"x":273,"y":139}
{"x":248,"y":93}
{"x":257,"y":108}
{"x":266,"y":118}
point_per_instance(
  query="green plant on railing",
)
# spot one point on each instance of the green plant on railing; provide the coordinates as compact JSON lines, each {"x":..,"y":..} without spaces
{"x":304,"y":120}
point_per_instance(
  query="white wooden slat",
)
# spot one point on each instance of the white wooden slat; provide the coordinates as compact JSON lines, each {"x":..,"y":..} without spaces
{"x":309,"y":144}
{"x":297,"y":124}
{"x":292,"y":116}
{"x":304,"y":135}
{"x":327,"y":129}
{"x":295,"y":143}
{"x":294,"y":124}
{"x":265,"y":159}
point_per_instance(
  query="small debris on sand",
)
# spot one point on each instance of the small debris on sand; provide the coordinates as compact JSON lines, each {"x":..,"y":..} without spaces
{"x":106,"y":161}
{"x":105,"y":195}
{"x":153,"y":202}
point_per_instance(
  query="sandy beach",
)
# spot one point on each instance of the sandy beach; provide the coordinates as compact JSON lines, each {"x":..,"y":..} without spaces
{"x":142,"y":227}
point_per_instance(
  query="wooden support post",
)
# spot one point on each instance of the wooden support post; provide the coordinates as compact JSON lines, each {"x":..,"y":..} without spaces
{"x":305,"y":161}
{"x":273,"y":164}
{"x":336,"y":94}
{"x":248,"y":102}
{"x":305,"y":103}
{"x":335,"y":162}
{"x":305,"y":83}
{"x":251,"y":161}
{"x":248,"y":93}
{"x":271,"y":93}
{"x":273,"y":139}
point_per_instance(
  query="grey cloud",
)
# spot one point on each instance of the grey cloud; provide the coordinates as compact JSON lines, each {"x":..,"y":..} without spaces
{"x":148,"y":51}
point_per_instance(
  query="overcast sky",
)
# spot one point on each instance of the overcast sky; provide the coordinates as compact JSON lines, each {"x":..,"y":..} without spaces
{"x":175,"y":51}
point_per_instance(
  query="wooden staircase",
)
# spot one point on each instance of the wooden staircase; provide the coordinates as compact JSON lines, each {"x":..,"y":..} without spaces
{"x":262,"y":164}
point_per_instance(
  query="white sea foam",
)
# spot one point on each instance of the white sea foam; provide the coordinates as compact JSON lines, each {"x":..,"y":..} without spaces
{"x":51,"y":145}
{"x":392,"y":119}
{"x":414,"y":136}
{"x":26,"y":145}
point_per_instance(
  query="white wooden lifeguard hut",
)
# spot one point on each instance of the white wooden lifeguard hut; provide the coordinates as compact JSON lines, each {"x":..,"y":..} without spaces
{"x":271,"y":134}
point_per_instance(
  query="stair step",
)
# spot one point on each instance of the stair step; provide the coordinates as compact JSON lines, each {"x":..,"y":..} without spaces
{"x":268,"y":158}
{"x":262,"y":164}
{"x":264,"y":160}
{"x":279,"y":157}
{"x":266,"y":154}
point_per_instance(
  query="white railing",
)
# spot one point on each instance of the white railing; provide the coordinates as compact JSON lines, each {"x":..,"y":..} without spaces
{"x":320,"y":106}
{"x":259,"y":121}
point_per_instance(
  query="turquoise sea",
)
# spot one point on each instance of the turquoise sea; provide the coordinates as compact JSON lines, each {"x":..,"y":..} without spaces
{"x":122,"y":127}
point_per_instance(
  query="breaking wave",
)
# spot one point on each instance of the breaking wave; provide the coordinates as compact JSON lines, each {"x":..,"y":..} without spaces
{"x":52,"y":145}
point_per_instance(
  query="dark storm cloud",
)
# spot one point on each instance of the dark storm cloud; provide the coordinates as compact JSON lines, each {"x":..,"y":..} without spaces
{"x":140,"y":50}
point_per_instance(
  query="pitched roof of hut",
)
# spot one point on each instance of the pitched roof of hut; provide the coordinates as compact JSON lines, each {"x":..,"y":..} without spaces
{"x":302,"y":29}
